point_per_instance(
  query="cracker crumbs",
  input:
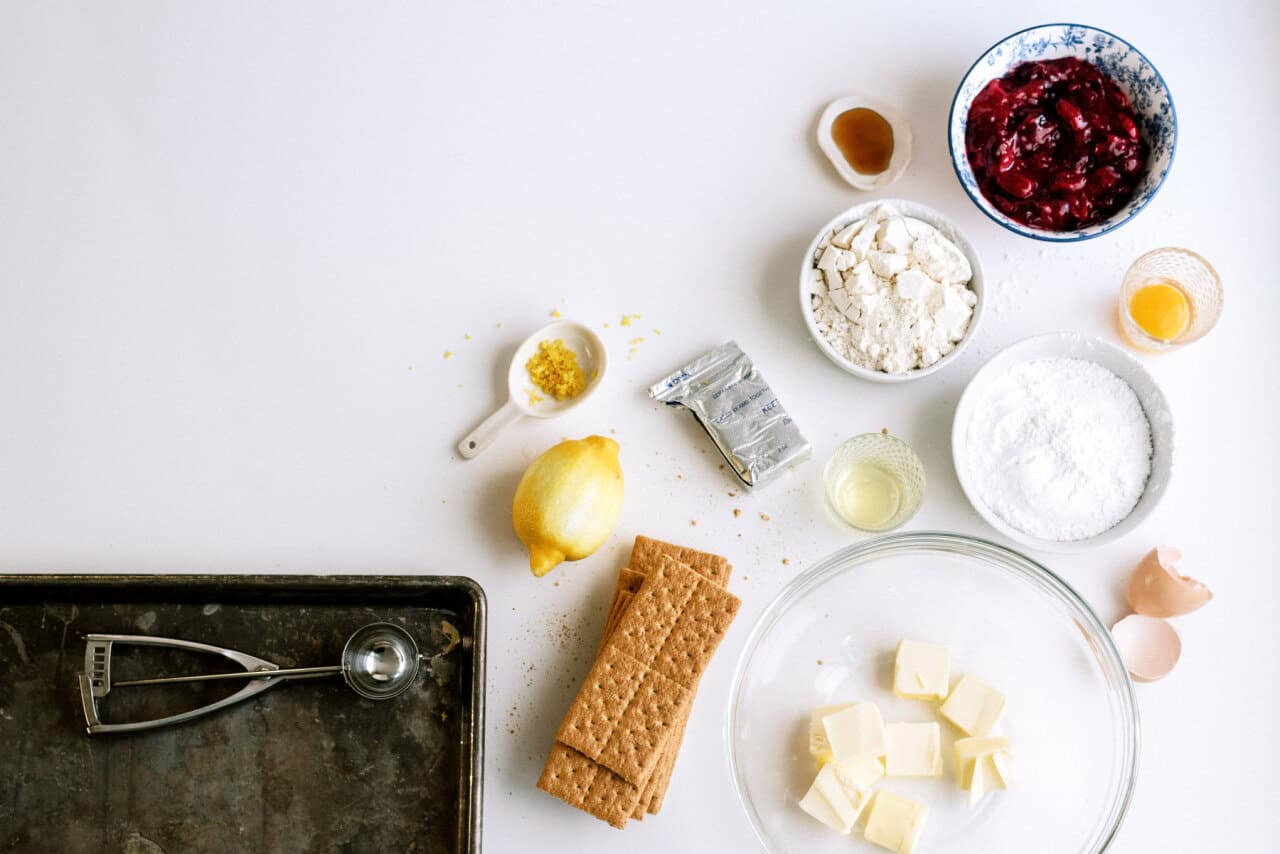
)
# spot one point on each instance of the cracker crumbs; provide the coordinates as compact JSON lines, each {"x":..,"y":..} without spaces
{"x":764,"y":517}
{"x":786,"y":561}
{"x":627,"y":318}
{"x":555,"y":370}
{"x":819,"y":662}
{"x":693,"y":523}
{"x":737,"y":511}
{"x":733,"y":495}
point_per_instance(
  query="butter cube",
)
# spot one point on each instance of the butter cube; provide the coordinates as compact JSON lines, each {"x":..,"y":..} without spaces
{"x":819,"y":747}
{"x":969,"y":749}
{"x":848,"y":800}
{"x":860,"y":772}
{"x":974,"y":706}
{"x":1002,"y":768}
{"x":983,"y":764}
{"x":921,"y":671}
{"x":833,"y":801}
{"x":856,"y":732}
{"x":913,"y":750}
{"x":979,"y":779}
{"x":895,"y":822}
{"x":815,"y":805}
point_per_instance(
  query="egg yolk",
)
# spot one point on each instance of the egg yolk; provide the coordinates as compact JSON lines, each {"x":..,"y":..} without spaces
{"x":1161,"y":310}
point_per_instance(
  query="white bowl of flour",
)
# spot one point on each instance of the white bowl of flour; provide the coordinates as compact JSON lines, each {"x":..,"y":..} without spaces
{"x":891,"y":290}
{"x":1063,"y":442}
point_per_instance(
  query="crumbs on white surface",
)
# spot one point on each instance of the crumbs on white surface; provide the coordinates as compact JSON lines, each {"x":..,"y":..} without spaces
{"x":890,"y":292}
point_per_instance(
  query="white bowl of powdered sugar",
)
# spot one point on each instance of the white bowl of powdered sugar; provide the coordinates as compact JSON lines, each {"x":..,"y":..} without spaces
{"x":1063,"y":442}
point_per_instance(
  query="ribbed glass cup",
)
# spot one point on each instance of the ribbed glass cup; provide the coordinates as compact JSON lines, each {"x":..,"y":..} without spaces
{"x":1192,"y":275}
{"x":886,"y":455}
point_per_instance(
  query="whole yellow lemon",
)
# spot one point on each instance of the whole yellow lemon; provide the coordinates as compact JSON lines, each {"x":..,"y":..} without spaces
{"x":568,"y":501}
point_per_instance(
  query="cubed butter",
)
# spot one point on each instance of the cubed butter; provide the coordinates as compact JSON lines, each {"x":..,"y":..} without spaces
{"x":833,"y":801}
{"x":815,"y":805}
{"x":856,"y":732}
{"x":983,"y":764}
{"x":1002,"y":769}
{"x":846,"y":798}
{"x":895,"y":822}
{"x":979,"y":779}
{"x":987,"y":772}
{"x":860,"y":772}
{"x":819,"y":747}
{"x":922,"y":671}
{"x":974,"y":706}
{"x":913,"y":750}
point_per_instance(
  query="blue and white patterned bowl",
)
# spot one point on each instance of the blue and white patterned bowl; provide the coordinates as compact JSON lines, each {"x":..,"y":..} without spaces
{"x":1120,"y":61}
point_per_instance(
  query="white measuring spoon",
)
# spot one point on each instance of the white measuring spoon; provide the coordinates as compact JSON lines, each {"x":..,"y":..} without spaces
{"x":584,"y":343}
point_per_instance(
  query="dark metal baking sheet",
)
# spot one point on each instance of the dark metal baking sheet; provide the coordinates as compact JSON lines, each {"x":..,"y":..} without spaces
{"x":306,"y":767}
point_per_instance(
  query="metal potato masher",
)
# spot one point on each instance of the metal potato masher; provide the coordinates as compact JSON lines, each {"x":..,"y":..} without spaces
{"x":379,"y":661}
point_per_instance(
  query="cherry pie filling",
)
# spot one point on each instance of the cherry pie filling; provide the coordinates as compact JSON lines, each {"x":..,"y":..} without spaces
{"x":1055,"y":144}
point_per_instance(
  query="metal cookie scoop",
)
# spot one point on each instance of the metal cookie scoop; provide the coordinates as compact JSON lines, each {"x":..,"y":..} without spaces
{"x":379,"y":661}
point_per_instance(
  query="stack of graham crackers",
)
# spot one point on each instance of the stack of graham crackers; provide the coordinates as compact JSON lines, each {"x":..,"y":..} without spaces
{"x":617,"y":746}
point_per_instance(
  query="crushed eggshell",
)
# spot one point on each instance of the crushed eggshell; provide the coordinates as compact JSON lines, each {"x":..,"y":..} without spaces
{"x":1157,"y":590}
{"x":1149,"y":646}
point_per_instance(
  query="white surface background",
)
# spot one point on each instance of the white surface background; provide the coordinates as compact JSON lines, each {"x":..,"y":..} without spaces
{"x":236,"y":240}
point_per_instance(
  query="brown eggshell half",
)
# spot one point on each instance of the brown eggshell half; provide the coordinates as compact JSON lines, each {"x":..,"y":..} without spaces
{"x":1149,"y":646}
{"x":1157,"y":590}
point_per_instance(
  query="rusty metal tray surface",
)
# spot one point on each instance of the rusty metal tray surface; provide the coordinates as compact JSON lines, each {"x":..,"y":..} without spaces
{"x":308,"y":767}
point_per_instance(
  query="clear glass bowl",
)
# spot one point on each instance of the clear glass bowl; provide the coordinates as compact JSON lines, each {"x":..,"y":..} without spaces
{"x":829,"y":636}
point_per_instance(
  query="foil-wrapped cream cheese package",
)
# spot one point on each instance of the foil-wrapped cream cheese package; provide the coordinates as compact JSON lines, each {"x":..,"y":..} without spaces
{"x":739,"y":411}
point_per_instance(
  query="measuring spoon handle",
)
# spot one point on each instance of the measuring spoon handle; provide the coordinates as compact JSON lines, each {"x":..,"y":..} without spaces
{"x":482,"y":437}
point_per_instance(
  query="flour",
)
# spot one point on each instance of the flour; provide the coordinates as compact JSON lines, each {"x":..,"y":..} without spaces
{"x":1059,"y":448}
{"x":891,"y":293}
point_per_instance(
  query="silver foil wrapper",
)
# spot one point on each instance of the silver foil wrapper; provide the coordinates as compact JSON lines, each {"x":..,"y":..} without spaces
{"x":740,"y":412}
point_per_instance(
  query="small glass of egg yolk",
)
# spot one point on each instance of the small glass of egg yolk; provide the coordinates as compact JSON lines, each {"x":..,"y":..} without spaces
{"x":1169,"y":298}
{"x":1161,"y":310}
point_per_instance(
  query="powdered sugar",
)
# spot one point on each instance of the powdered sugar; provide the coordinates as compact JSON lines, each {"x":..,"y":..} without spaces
{"x":1060,"y":448}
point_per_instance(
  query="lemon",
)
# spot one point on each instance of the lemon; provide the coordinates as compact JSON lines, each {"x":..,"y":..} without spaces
{"x":568,"y":501}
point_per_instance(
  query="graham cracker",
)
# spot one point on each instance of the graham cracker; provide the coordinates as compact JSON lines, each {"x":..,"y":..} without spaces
{"x":655,"y":791}
{"x":587,"y":785}
{"x":675,"y":622}
{"x":620,"y":602}
{"x":646,"y":551}
{"x":684,"y":645}
{"x":629,"y":580}
{"x":623,"y":715}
